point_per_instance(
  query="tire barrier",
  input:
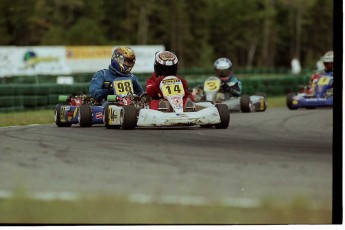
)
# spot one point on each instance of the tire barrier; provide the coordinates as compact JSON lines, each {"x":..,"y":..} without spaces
{"x":14,"y":97}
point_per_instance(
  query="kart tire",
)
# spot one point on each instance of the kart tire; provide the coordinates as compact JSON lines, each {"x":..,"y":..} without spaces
{"x":224,"y":114}
{"x":246,"y":104}
{"x":265,"y":101}
{"x":289,"y":99}
{"x":85,"y":116}
{"x":57,"y":118}
{"x":129,"y":118}
{"x":106,"y":118}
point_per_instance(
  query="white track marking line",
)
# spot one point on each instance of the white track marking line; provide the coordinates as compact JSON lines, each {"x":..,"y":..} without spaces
{"x":147,"y":199}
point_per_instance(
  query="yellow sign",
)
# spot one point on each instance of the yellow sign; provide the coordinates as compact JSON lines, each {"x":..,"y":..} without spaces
{"x":123,"y":87}
{"x":323,"y":81}
{"x":174,"y":89}
{"x":212,"y":85}
{"x":89,"y":52}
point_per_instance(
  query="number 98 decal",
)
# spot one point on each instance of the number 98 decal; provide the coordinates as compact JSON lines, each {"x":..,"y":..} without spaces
{"x":123,"y":86}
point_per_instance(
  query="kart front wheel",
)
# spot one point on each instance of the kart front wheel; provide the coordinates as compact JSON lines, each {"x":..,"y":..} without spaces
{"x":129,"y":118}
{"x":246,"y":104}
{"x":85,"y":116}
{"x":57,"y":117}
{"x":107,"y":118}
{"x":224,"y":116}
{"x":289,"y":100}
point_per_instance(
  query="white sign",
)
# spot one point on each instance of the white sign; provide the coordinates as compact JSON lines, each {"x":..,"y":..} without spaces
{"x":59,"y":60}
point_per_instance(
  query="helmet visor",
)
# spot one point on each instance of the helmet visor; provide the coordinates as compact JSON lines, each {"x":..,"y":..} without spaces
{"x":223,"y":72}
{"x":129,"y":62}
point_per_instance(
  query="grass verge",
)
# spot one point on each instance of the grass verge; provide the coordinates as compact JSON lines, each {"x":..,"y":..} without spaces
{"x":119,"y":210}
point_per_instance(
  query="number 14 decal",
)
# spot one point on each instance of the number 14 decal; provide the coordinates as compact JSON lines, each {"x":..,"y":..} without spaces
{"x":176,"y":89}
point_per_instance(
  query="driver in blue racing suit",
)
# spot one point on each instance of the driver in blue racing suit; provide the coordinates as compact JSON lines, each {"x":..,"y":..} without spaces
{"x":327,"y":60}
{"x":122,"y":62}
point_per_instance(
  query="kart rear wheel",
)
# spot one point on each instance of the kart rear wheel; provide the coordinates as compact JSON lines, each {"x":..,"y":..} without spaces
{"x":246,"y":104}
{"x":57,"y":117}
{"x":224,"y":114}
{"x":106,"y":118}
{"x":264,"y":95}
{"x":85,"y":116}
{"x":129,"y":118}
{"x":289,"y":99}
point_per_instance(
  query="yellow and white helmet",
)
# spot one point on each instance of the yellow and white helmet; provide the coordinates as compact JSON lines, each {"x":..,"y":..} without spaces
{"x":328,"y":57}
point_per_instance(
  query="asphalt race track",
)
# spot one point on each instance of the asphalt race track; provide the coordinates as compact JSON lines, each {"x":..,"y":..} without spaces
{"x":280,"y":154}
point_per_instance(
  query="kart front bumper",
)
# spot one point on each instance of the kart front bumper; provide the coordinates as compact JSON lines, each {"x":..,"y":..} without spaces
{"x":302,"y":102}
{"x":207,"y":116}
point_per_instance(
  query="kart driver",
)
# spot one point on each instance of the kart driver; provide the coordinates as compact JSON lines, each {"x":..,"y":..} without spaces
{"x":327,"y":60}
{"x":166,"y":64}
{"x":229,"y":83}
{"x":122,"y":62}
{"x":230,"y":86}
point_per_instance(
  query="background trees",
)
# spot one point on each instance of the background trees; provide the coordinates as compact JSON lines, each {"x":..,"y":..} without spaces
{"x":250,"y":32}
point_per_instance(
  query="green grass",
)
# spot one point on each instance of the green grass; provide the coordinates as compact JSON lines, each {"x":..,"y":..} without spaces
{"x":27,"y":117}
{"x":47,"y":116}
{"x":119,"y":210}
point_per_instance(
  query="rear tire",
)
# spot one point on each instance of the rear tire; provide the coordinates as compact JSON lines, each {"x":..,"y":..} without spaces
{"x":264,"y":95}
{"x":246,"y":104}
{"x":85,"y":116}
{"x":57,"y":117}
{"x":289,"y":99}
{"x":224,"y":114}
{"x":129,"y":117}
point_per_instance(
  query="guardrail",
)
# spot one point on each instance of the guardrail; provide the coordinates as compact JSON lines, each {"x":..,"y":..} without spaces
{"x":14,"y":97}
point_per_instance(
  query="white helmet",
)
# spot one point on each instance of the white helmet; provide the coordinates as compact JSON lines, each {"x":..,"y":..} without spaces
{"x":222,"y":67}
{"x":328,"y":57}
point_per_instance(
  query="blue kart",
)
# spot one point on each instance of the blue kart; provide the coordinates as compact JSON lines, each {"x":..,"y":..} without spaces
{"x":321,"y":96}
{"x":77,"y":110}
{"x":85,"y":111}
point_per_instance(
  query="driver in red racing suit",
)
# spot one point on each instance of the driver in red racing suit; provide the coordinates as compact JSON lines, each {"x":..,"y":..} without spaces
{"x":166,"y":64}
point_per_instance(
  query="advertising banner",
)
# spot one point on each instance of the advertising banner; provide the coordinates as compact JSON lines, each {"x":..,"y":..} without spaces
{"x":60,"y":60}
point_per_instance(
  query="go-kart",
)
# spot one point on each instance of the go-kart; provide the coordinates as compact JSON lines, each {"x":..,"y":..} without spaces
{"x":245,"y":103}
{"x":173,"y":113}
{"x":321,"y":95}
{"x":77,"y":109}
{"x":85,"y":111}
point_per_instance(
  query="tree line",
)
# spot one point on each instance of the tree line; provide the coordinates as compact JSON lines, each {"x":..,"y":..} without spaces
{"x":252,"y":33}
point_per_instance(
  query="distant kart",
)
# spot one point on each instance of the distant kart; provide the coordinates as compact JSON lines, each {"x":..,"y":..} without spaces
{"x":83,"y":110}
{"x":172,"y":113}
{"x":245,"y":103}
{"x":320,"y":96}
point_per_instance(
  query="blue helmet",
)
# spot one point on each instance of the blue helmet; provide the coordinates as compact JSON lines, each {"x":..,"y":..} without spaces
{"x":123,"y":60}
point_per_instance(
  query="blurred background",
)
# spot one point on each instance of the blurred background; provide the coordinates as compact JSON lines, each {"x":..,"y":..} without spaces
{"x":252,"y":33}
{"x":41,"y":40}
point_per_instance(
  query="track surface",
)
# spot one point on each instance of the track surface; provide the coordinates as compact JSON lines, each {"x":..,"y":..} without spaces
{"x":278,"y":153}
